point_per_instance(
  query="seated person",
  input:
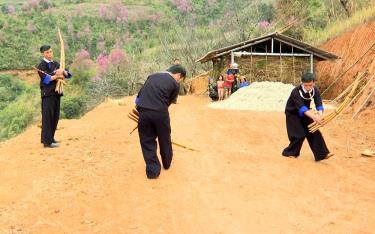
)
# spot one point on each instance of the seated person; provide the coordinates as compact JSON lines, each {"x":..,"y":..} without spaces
{"x":212,"y":90}
{"x":243,"y":82}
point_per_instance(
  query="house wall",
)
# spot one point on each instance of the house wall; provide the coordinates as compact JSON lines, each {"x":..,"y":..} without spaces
{"x":267,"y":68}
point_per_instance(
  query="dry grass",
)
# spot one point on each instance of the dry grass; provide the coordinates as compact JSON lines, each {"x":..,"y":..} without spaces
{"x":339,"y":26}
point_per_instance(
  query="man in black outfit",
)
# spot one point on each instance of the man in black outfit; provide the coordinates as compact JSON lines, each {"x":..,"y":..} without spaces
{"x":158,"y":92}
{"x":299,"y":115}
{"x":49,"y":72}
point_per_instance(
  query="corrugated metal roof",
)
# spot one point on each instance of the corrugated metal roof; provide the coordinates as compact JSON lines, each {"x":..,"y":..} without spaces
{"x":321,"y":54}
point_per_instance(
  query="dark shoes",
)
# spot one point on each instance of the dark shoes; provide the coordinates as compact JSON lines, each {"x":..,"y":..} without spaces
{"x":290,"y":156}
{"x":329,"y":155}
{"x":52,"y":145}
{"x":152,"y":177}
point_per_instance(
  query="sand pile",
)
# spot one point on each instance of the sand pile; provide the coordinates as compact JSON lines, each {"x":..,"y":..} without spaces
{"x":259,"y":96}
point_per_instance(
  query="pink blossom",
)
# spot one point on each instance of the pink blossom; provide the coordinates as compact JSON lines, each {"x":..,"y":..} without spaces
{"x":102,"y":61}
{"x":87,"y":64}
{"x":116,"y":56}
{"x":263,"y":24}
{"x":82,"y":55}
{"x":102,"y":10}
{"x":115,"y":11}
{"x":79,"y":11}
{"x":33,"y":3}
{"x":154,"y":17}
{"x":183,"y":5}
{"x":11,"y":9}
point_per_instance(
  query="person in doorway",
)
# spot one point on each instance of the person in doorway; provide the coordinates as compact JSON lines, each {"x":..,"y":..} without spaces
{"x":243,"y":82}
{"x":228,"y":85}
{"x":233,"y":70}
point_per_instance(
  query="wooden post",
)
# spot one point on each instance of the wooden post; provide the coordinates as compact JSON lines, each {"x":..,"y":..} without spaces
{"x":266,"y":63}
{"x":312,"y":63}
{"x":281,"y":65}
{"x":294,"y":68}
{"x":251,"y":62}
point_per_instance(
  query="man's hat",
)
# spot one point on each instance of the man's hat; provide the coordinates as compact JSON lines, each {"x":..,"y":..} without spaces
{"x":308,"y":77}
{"x":44,"y":48}
{"x":177,"y":68}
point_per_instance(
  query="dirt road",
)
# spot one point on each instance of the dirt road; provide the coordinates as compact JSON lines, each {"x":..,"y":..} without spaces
{"x":238,"y":182}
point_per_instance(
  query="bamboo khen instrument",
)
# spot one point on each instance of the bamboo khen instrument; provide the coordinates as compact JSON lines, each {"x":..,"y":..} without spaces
{"x":61,"y":82}
{"x":134,"y":115}
{"x":313,"y":127}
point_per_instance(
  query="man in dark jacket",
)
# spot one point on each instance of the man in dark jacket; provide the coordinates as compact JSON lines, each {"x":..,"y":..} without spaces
{"x":49,"y":72}
{"x":158,"y":92}
{"x":299,"y":115}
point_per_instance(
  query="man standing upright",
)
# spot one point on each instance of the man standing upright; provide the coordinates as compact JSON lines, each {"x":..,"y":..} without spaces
{"x":49,"y":73}
{"x":158,"y":92}
{"x":299,"y":115}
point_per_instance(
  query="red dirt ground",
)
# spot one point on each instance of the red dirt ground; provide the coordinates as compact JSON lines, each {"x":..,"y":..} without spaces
{"x":238,"y":182}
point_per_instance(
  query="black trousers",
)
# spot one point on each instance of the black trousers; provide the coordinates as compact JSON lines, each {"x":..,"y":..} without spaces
{"x":152,"y":125}
{"x":297,"y":128}
{"x":50,"y":118}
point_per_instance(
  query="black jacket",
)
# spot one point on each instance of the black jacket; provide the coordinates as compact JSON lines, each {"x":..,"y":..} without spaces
{"x":299,"y":102}
{"x":50,"y":69}
{"x":158,"y":92}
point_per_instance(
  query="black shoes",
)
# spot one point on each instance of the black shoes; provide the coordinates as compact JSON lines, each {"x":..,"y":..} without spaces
{"x":52,"y":145}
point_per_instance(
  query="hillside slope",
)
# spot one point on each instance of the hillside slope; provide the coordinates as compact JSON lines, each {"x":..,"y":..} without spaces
{"x":350,"y":46}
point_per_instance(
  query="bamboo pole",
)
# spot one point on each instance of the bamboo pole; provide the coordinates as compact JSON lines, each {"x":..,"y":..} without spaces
{"x":346,"y":90}
{"x":133,"y":116}
{"x":60,"y":85}
{"x":350,"y":67}
{"x":357,"y":95}
{"x":360,"y":108}
{"x":315,"y":126}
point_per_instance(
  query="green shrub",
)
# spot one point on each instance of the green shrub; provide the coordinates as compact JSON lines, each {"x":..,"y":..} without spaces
{"x":10,"y":89}
{"x":73,"y":107}
{"x":16,"y":116}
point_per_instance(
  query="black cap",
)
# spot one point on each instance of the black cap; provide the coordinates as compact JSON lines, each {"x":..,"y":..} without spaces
{"x":44,"y":48}
{"x":177,"y":68}
{"x":308,"y":77}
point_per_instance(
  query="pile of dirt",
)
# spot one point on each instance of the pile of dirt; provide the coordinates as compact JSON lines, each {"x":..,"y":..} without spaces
{"x":259,"y":96}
